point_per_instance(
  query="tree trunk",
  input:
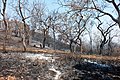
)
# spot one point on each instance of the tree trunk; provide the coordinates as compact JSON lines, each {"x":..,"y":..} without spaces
{"x":109,"y":49}
{"x":4,"y":45}
{"x":5,"y":37}
{"x":24,"y":42}
{"x":44,"y":42}
{"x":25,"y":33}
{"x":54,"y":38}
{"x":81,"y":48}
{"x":75,"y":48}
{"x":101,"y":48}
{"x":71,"y":50}
{"x":109,"y":46}
{"x":24,"y":37}
{"x":91,"y":50}
{"x":44,"y":38}
{"x":5,"y":23}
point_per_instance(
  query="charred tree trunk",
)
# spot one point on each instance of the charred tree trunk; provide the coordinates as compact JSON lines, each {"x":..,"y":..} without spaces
{"x":71,"y":41}
{"x":44,"y":42}
{"x":5,"y":37}
{"x":104,"y":41}
{"x":54,"y":47}
{"x":104,"y":35}
{"x":101,"y":48}
{"x":81,"y":49}
{"x":5,"y":23}
{"x":44,"y":37}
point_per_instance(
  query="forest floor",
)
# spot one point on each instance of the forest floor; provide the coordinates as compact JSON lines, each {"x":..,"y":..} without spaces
{"x":44,"y":66}
{"x":50,"y":51}
{"x":14,"y":44}
{"x":47,"y":64}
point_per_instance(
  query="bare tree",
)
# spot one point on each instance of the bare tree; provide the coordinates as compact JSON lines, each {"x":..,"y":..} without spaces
{"x":79,"y":28}
{"x":79,"y":14}
{"x":110,"y":43}
{"x":116,"y":6}
{"x":37,"y":13}
{"x":25,"y":33}
{"x":5,"y":23}
{"x":46,"y":24}
{"x":65,"y":30}
{"x":96,"y":40}
{"x":104,"y":34}
{"x":72,"y":27}
{"x":90,"y":37}
{"x":40,"y":20}
{"x":54,"y":24}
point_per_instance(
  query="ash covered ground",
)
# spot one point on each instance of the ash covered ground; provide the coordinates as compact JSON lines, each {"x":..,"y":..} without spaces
{"x":34,"y":66}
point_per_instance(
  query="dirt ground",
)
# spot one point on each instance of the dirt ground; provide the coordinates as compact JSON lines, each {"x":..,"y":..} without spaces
{"x":33,"y":66}
{"x":57,"y":65}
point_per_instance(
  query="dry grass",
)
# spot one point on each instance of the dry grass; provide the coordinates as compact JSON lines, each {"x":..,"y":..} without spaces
{"x":14,"y":44}
{"x":33,"y":50}
{"x":98,"y":57}
{"x":37,"y":50}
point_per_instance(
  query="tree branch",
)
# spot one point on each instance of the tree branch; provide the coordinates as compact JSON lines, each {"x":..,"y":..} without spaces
{"x":105,"y":13}
{"x":109,"y":28}
{"x":116,"y":7}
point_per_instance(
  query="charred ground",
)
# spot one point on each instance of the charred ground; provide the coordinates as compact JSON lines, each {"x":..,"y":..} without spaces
{"x":18,"y":67}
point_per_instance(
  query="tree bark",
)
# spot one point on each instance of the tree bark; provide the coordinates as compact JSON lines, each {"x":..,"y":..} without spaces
{"x":71,"y":41}
{"x":24,"y":42}
{"x":5,"y":37}
{"x":109,"y":45}
{"x":44,"y":38}
{"x":5,"y":23}
{"x":81,"y":48}
{"x":24,"y":34}
{"x":54,"y":38}
{"x":101,"y":48}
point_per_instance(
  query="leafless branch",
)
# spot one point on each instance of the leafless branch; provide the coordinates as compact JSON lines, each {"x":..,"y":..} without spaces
{"x":105,"y":13}
{"x":116,"y":7}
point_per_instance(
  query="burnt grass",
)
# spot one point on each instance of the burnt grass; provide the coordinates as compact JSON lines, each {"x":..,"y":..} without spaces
{"x":71,"y":68}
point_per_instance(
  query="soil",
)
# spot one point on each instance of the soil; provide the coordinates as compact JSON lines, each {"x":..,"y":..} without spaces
{"x":16,"y":66}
